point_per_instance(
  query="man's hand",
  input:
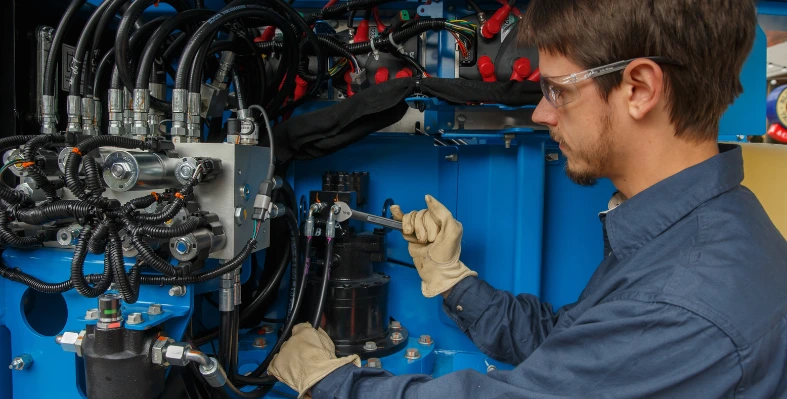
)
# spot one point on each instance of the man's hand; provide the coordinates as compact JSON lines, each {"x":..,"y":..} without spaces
{"x":435,"y":239}
{"x":306,"y":358}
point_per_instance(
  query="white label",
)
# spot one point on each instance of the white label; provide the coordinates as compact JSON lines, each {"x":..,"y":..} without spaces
{"x":508,"y":27}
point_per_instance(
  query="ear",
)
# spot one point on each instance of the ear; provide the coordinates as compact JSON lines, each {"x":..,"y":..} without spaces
{"x":643,"y":83}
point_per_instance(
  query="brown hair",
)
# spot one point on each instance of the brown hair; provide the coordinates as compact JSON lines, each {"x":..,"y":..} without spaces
{"x":710,"y":39}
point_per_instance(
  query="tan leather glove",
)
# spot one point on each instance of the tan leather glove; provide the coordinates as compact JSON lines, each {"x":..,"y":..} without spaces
{"x":306,"y":358}
{"x":435,"y":239}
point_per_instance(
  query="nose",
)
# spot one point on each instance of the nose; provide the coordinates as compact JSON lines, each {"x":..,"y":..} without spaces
{"x":545,"y":114}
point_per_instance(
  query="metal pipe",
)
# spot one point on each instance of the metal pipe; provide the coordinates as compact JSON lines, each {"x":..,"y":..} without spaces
{"x":198,"y":357}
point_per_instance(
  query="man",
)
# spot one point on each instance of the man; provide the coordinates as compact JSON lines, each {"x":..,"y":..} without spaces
{"x":691,"y":298}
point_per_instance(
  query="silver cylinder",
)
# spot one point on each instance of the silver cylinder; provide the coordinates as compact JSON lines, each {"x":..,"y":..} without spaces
{"x":116,"y":109}
{"x":48,"y":115}
{"x":188,"y":247}
{"x":194,"y":120}
{"x":141,"y":105}
{"x":128,"y":111}
{"x":116,"y":100}
{"x":214,"y":374}
{"x":73,"y":113}
{"x":127,"y":171}
{"x":227,"y":292}
{"x":88,"y":117}
{"x":180,"y":106}
{"x":155,"y":117}
{"x":97,"y":114}
{"x":237,"y":287}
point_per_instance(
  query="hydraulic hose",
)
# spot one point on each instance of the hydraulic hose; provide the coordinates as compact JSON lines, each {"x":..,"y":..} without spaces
{"x":124,"y":30}
{"x":342,"y":8}
{"x":116,"y":6}
{"x":239,"y":93}
{"x":178,"y":21}
{"x":79,"y":53}
{"x":326,"y":277}
{"x":107,"y":61}
{"x":57,"y":43}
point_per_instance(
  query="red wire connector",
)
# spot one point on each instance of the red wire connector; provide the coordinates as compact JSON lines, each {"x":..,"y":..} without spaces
{"x":267,"y":35}
{"x":378,"y":21}
{"x":535,"y":76}
{"x":487,"y":69}
{"x":404,"y":73}
{"x":349,"y":80}
{"x":301,"y":87}
{"x":493,"y":25}
{"x":381,"y":75}
{"x":362,"y":32}
{"x":521,"y":69}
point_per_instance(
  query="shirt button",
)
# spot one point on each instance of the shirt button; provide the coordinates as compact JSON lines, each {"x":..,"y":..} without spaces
{"x":459,"y":308}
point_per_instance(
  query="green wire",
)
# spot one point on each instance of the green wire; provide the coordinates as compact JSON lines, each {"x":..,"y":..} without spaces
{"x":2,"y":170}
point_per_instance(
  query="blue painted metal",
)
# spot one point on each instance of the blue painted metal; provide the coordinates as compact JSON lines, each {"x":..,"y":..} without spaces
{"x":745,"y":117}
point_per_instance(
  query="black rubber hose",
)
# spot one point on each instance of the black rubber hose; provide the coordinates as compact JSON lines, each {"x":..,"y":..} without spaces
{"x":239,"y":93}
{"x":58,"y":210}
{"x":82,"y":44}
{"x":475,"y":7}
{"x":107,"y":61}
{"x":400,"y":36}
{"x":18,"y":276}
{"x":129,"y":292}
{"x":98,"y":242}
{"x":231,"y":391}
{"x":124,"y":30}
{"x":57,"y":43}
{"x":116,"y":7}
{"x":225,"y":343}
{"x":178,"y":21}
{"x":227,"y":267}
{"x":195,"y":76}
{"x":341,"y":8}
{"x":14,"y":240}
{"x":46,"y":185}
{"x":287,"y":328}
{"x":151,"y":259}
{"x":191,"y":224}
{"x":326,"y":277}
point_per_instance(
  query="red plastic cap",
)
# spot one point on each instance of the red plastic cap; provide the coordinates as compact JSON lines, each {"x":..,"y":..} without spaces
{"x":362,"y":33}
{"x":522,"y":67}
{"x":267,"y":35}
{"x":404,"y":73}
{"x":494,"y":24}
{"x":381,"y":75}
{"x":301,"y":87}
{"x":535,"y":76}
{"x":486,"y":68}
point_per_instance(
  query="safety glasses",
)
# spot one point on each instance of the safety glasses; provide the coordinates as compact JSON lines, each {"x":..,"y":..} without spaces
{"x":562,"y":90}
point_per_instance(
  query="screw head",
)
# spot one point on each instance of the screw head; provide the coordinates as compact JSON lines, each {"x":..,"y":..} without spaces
{"x":397,"y":337}
{"x":370,"y":346}
{"x":259,"y":342}
{"x":134,"y":318}
{"x":425,"y":340}
{"x":90,"y":314}
{"x":374,"y":362}
{"x":412,"y":354}
{"x":154,"y":309}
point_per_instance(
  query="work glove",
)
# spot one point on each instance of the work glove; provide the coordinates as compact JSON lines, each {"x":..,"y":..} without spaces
{"x":306,"y":358}
{"x":435,"y":242}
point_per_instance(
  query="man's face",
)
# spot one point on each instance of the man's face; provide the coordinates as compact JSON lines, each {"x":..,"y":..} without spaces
{"x":583,"y":128}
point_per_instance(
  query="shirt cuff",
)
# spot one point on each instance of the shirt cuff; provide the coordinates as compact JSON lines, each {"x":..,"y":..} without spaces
{"x":467,"y":301}
{"x":331,"y":383}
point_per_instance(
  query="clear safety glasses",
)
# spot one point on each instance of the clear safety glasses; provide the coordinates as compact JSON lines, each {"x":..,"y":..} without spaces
{"x":562,"y":90}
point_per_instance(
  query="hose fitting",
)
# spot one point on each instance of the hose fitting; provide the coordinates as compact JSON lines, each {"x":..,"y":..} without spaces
{"x":140,"y":128}
{"x":48,"y":114}
{"x":116,"y":102}
{"x":180,"y":105}
{"x":330,"y":225}
{"x":73,"y":113}
{"x":88,"y":117}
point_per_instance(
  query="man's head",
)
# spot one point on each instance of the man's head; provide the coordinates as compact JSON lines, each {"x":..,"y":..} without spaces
{"x":606,"y":122}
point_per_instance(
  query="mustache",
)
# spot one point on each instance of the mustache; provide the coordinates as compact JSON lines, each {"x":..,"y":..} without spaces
{"x":554,"y":136}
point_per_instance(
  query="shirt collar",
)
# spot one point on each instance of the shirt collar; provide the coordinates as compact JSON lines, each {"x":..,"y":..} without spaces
{"x":646,"y":215}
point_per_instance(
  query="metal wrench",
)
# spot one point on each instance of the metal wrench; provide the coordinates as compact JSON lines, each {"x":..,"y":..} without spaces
{"x":345,"y":212}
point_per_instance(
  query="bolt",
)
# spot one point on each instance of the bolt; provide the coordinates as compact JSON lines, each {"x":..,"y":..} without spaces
{"x":490,"y":368}
{"x":186,"y":171}
{"x":134,"y":318}
{"x":245,"y":192}
{"x":259,"y":342}
{"x":741,"y":137}
{"x":374,"y":362}
{"x":20,"y":362}
{"x":425,"y":340}
{"x":265,"y":329}
{"x":154,"y":309}
{"x":412,"y":354}
{"x":370,"y":346}
{"x":507,"y":138}
{"x":120,"y":170}
{"x":177,"y":290}
{"x":397,"y":337}
{"x":395,"y":325}
{"x":452,"y":157}
{"x":59,"y":339}
{"x":552,"y":157}
{"x":91,"y":314}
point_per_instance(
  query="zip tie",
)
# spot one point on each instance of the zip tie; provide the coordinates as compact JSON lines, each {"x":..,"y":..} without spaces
{"x":374,"y":51}
{"x":155,"y":195}
{"x":179,"y":195}
{"x":399,"y":47}
{"x":75,"y":150}
{"x":26,"y":164}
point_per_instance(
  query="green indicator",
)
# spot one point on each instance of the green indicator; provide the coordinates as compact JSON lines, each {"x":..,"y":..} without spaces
{"x":110,"y":311}
{"x":404,"y":15}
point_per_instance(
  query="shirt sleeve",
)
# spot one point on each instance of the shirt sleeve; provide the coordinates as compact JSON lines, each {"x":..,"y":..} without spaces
{"x":622,"y":349}
{"x":505,"y":327}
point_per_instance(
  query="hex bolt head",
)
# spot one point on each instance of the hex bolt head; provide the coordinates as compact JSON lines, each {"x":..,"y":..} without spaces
{"x":20,"y":362}
{"x":120,"y":170}
{"x":395,"y":325}
{"x":259,"y":342}
{"x":425,"y":340}
{"x":58,"y":339}
{"x":177,"y":290}
{"x":134,"y":318}
{"x":91,"y":314}
{"x":374,"y":363}
{"x":265,"y":329}
{"x":370,"y":346}
{"x":154,"y":309}
{"x":412,"y":354}
{"x":397,"y":337}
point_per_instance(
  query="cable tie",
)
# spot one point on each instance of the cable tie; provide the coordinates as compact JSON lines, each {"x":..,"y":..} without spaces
{"x":155,"y":195}
{"x":398,"y":47}
{"x":374,"y":51}
{"x":75,"y":150}
{"x":179,"y":195}
{"x":26,"y":164}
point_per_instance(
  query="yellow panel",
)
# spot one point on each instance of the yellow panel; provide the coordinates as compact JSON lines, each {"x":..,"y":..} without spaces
{"x":765,"y":167}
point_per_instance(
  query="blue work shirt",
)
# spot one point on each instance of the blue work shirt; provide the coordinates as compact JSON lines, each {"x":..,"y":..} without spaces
{"x":689,"y":302}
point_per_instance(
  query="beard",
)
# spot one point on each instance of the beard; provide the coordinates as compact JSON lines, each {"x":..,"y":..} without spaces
{"x":595,"y":156}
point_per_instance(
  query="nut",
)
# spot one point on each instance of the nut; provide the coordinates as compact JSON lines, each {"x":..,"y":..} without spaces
{"x":397,"y":337}
{"x":91,"y":314}
{"x":374,"y":362}
{"x":176,"y":354}
{"x":159,"y":349}
{"x":425,"y":340}
{"x":370,"y":346}
{"x":72,"y":342}
{"x":154,"y":309}
{"x":412,"y":354}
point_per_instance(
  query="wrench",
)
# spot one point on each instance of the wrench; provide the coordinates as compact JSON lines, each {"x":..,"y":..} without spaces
{"x":345,"y":212}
